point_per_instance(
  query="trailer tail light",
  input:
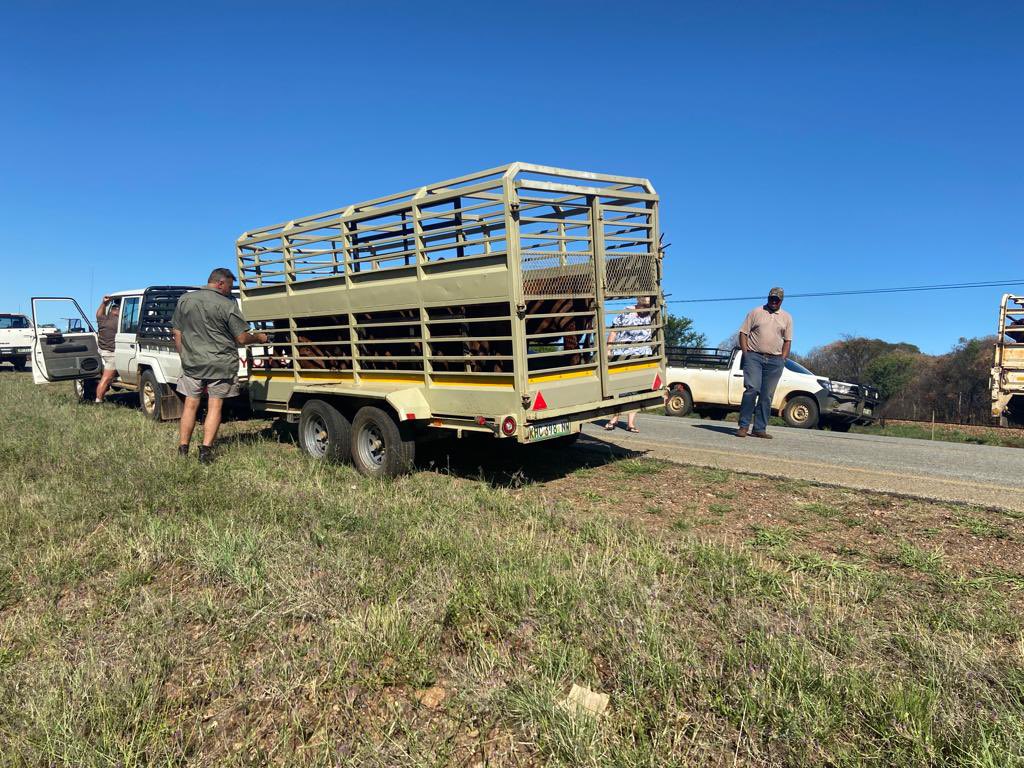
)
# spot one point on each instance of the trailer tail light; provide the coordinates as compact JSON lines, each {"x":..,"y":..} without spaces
{"x":481,"y":421}
{"x":508,"y":426}
{"x":540,"y":404}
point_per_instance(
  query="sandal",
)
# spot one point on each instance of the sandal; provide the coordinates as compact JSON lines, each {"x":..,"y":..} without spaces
{"x":633,"y":429}
{"x":609,"y":427}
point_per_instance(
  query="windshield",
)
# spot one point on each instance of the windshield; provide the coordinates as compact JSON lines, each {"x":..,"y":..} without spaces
{"x":13,"y":321}
{"x":797,"y":368}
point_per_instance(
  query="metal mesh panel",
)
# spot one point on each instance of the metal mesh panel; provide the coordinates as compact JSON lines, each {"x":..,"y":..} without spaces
{"x":629,"y":249}
{"x":556,"y":274}
{"x":631,"y":274}
{"x":556,"y":248}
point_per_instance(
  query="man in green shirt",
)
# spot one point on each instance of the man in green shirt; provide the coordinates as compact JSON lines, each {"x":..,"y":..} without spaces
{"x":208,"y":330}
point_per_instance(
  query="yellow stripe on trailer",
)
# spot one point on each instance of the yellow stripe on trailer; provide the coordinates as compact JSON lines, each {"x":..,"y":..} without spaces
{"x":635,"y":367}
{"x":442,"y":380}
{"x":561,"y":376}
{"x":333,"y":379}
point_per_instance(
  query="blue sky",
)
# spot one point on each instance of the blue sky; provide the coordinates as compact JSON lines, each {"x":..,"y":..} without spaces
{"x":813,"y":145}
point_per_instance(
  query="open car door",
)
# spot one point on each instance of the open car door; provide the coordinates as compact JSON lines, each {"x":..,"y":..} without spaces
{"x":65,"y":345}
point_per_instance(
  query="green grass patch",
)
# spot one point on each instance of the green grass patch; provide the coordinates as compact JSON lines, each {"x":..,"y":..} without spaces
{"x":270,"y":610}
{"x":641,"y":467}
{"x":981,"y":527}
{"x":947,"y":433}
{"x":924,"y":560}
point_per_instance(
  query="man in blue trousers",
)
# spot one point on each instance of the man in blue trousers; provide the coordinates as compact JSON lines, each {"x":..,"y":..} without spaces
{"x":765,"y":338}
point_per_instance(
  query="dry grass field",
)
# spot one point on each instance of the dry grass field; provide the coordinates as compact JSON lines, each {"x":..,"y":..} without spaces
{"x":269,"y":610}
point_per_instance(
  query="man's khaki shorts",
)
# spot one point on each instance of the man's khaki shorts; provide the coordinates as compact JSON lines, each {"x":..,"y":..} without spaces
{"x":219,"y":388}
{"x":108,"y":360}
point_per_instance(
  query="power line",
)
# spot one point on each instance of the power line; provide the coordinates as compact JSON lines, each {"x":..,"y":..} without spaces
{"x":861,"y":291}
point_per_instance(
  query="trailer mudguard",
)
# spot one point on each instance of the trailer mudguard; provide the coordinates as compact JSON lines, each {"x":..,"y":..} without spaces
{"x":409,"y":404}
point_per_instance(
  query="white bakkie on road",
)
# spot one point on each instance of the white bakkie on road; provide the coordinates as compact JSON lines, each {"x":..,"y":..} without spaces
{"x":144,"y":353}
{"x":710,"y":382}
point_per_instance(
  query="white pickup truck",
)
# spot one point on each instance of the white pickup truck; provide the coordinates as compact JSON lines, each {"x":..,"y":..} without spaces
{"x":710,"y":382}
{"x":16,"y":335}
{"x":144,"y":353}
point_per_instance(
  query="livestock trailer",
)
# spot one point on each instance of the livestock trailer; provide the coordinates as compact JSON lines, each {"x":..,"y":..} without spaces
{"x":511,"y":302}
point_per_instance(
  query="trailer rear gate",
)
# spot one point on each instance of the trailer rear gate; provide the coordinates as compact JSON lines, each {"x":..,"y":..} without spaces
{"x":491,"y":292}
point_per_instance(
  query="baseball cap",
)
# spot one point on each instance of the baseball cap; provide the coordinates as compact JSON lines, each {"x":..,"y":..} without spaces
{"x":776,"y":292}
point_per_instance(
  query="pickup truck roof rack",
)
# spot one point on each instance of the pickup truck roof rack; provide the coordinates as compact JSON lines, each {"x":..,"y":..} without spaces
{"x":158,"y":305}
{"x":698,"y":357}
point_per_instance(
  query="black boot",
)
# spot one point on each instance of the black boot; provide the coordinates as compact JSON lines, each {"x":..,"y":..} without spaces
{"x":206,"y":454}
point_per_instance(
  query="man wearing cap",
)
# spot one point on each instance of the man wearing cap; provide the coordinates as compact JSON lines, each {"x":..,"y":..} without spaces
{"x":208,"y":330}
{"x":765,"y":338}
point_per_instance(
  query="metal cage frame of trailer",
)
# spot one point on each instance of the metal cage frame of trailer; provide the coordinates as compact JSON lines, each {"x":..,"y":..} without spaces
{"x":475,"y":291}
{"x":1007,"y":377}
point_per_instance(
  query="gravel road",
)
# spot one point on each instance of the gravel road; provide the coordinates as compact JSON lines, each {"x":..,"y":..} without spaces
{"x":974,"y":474}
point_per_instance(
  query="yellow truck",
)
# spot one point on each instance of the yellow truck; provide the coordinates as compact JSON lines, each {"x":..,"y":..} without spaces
{"x":480,"y":304}
{"x":1008,"y":369}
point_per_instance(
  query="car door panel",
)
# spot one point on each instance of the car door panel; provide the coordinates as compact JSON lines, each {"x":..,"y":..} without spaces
{"x":62,"y":353}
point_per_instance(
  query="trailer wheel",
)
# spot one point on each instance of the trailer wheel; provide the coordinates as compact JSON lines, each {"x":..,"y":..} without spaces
{"x":679,"y":402}
{"x":324,"y":432}
{"x":19,"y":364}
{"x":150,"y":392}
{"x":716,"y":414}
{"x":379,"y":447}
{"x":85,"y":390}
{"x":801,"y":412}
{"x":841,"y":426}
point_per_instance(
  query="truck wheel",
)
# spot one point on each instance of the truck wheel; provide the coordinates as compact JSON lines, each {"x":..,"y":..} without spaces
{"x":85,"y":390}
{"x":379,"y":449}
{"x":679,"y":402}
{"x":19,"y":364}
{"x":801,"y":412}
{"x":841,"y":426}
{"x":324,"y":432}
{"x":716,"y":414}
{"x":150,"y":392}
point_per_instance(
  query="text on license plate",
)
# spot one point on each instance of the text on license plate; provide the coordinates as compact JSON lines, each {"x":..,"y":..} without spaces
{"x":546,"y":430}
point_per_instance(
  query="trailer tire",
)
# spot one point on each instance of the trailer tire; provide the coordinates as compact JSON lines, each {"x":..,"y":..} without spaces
{"x":380,"y":447}
{"x":325,"y":433}
{"x":679,"y":402}
{"x":19,"y":364}
{"x":801,"y":412}
{"x":85,"y":390}
{"x":841,"y":426}
{"x":150,"y":393}
{"x":716,"y":414}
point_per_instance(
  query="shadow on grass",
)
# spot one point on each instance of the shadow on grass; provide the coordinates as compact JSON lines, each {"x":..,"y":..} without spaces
{"x":499,"y":463}
{"x":504,"y":464}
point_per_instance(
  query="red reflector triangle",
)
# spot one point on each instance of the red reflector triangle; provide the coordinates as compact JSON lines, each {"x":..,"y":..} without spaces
{"x":539,"y":404}
{"x":657,"y":381}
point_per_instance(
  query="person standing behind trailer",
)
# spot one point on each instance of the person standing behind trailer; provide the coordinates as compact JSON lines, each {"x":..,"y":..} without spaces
{"x":765,"y":338}
{"x":108,"y":317}
{"x":631,"y":326}
{"x":208,"y":328}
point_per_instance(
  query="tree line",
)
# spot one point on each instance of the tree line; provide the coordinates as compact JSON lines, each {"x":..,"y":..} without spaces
{"x":953,"y":386}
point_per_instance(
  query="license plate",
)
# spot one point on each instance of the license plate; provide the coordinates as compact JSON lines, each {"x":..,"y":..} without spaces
{"x":546,"y":430}
{"x":867,"y":411}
